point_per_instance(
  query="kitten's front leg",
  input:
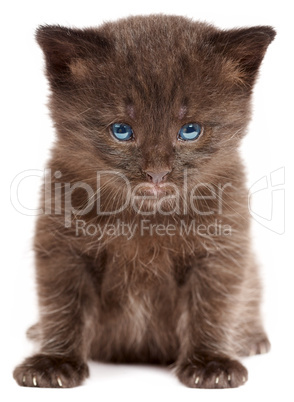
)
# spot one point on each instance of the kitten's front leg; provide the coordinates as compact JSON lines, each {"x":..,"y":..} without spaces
{"x":66,"y":311}
{"x":211,"y":306}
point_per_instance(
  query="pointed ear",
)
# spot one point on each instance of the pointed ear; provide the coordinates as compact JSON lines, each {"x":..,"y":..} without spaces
{"x":68,"y":51}
{"x":246,"y":47}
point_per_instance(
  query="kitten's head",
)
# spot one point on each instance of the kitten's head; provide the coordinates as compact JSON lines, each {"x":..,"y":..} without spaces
{"x":151,"y":97}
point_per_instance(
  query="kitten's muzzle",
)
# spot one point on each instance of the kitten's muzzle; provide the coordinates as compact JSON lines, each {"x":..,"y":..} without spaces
{"x":157,"y":177}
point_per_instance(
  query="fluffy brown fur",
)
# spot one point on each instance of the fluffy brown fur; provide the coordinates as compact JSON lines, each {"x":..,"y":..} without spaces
{"x":186,"y":299}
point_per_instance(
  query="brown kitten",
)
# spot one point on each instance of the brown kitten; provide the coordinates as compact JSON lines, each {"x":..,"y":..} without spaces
{"x":143,"y":251}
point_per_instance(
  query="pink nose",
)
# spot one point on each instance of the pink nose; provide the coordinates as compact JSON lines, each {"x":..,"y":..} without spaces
{"x":157,"y":177}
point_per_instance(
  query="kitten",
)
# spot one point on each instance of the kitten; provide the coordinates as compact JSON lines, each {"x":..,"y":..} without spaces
{"x":143,"y":251}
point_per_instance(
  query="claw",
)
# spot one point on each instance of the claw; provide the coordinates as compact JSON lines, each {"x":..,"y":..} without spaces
{"x":24,"y":379}
{"x":197,"y":380}
{"x":35,"y":381}
{"x":59,"y":381}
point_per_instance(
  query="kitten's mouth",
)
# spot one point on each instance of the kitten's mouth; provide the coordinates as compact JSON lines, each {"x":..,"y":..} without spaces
{"x":155,"y":191}
{"x":155,"y":197}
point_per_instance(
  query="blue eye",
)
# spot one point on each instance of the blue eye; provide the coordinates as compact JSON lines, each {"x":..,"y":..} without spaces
{"x":122,"y":132}
{"x":189,"y":132}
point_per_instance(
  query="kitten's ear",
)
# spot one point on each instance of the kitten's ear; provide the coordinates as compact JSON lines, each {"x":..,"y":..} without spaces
{"x":246,"y":47}
{"x":68,"y":51}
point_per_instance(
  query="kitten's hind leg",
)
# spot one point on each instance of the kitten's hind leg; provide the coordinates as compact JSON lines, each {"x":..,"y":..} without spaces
{"x":251,"y":338}
{"x":256,"y":344}
{"x":34,"y":333}
{"x":260,"y":347}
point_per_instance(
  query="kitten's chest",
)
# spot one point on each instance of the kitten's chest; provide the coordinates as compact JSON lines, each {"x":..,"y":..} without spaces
{"x":138,"y":261}
{"x":138,"y":287}
{"x":136,"y":270}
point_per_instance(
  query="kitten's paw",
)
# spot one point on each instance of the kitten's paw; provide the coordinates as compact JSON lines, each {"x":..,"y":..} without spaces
{"x":260,"y":348}
{"x":212,"y":373}
{"x":256,"y":347}
{"x":50,"y":372}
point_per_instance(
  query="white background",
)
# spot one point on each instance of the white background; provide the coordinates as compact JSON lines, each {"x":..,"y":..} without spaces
{"x":26,"y":135}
